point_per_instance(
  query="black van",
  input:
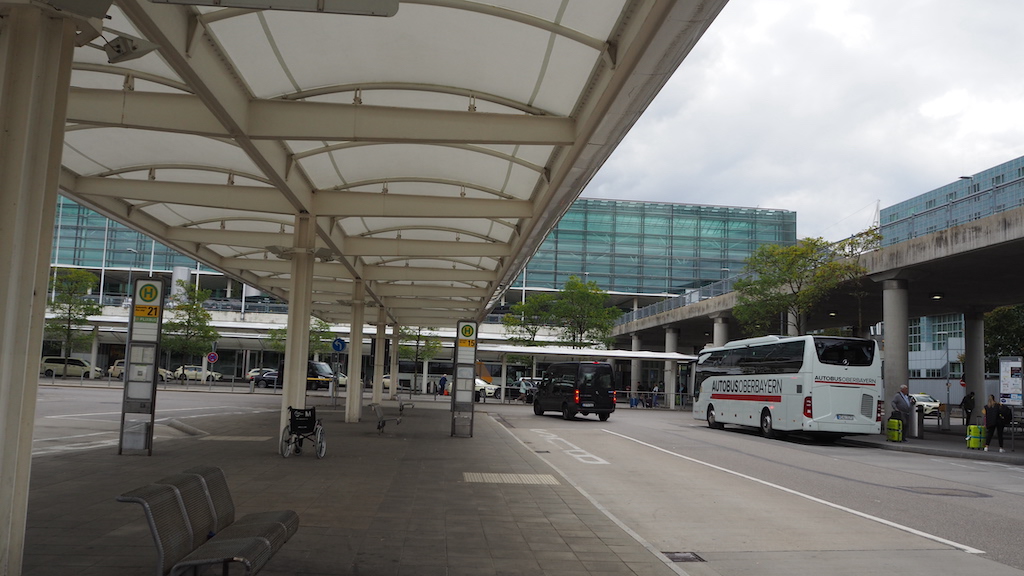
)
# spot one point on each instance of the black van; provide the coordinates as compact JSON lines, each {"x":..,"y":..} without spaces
{"x":577,"y":387}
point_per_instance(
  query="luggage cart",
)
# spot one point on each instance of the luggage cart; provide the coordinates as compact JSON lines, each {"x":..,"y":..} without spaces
{"x":302,"y":425}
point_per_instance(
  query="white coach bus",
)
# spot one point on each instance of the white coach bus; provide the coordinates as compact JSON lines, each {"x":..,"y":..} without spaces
{"x":820,"y":385}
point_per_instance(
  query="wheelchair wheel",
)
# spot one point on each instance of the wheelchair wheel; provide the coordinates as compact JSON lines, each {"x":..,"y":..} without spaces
{"x":286,"y":442}
{"x":321,"y":442}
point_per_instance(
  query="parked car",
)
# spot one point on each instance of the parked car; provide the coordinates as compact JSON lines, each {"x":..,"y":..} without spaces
{"x":117,"y":371}
{"x":267,"y":379}
{"x":252,"y":374}
{"x":55,"y":366}
{"x":196,"y":373}
{"x":577,"y":388}
{"x":931,"y":405}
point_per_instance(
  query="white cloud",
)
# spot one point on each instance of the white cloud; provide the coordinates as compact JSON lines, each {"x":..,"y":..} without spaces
{"x":826,"y":108}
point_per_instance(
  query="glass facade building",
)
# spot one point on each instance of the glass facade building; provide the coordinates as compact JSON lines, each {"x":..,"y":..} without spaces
{"x":85,"y":239}
{"x":653,"y":248}
{"x":971,"y":197}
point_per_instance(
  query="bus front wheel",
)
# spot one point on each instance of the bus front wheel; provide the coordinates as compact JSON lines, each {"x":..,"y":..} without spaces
{"x":712,"y":422}
{"x":766,"y":424}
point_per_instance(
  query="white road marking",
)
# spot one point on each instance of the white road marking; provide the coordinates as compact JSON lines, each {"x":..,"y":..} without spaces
{"x":570,"y":448}
{"x":889,"y":523}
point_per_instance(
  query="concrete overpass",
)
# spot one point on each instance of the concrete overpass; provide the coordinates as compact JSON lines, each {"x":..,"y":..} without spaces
{"x":968,"y":269}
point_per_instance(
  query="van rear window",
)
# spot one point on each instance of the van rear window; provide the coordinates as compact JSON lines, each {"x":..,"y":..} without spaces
{"x":596,"y":376}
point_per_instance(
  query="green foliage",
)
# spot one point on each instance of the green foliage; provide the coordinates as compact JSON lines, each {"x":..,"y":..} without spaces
{"x":580,"y":310}
{"x":418,"y":345}
{"x":188,"y":332}
{"x":1004,"y":335}
{"x":320,"y":337}
{"x":525,"y":319}
{"x":70,"y":310}
{"x":790,"y":281}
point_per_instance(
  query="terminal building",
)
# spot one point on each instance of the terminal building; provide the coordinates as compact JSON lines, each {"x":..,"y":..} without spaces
{"x":639,"y":252}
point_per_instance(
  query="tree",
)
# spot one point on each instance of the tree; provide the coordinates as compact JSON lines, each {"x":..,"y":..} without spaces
{"x":189,"y":332}
{"x":525,"y":319}
{"x":790,"y":281}
{"x":580,"y":310}
{"x":70,"y":308}
{"x":320,"y":337}
{"x":1004,"y":335}
{"x":425,"y":346}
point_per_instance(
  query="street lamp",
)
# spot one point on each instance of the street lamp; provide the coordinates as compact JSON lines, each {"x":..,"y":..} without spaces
{"x":131,"y":267}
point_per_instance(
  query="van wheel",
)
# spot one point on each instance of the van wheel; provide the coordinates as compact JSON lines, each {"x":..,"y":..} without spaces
{"x":604,"y":417}
{"x":49,"y":373}
{"x":766,"y":424}
{"x":567,"y":413}
{"x":537,"y":409}
{"x":712,"y":422}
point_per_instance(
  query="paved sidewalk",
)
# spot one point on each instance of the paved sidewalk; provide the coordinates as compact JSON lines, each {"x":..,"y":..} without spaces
{"x":410,"y":501}
{"x":951,"y":443}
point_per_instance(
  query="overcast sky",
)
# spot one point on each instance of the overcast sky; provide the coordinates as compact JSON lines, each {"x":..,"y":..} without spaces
{"x":826,"y":107}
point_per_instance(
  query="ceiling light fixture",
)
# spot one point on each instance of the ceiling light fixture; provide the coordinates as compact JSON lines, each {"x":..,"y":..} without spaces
{"x":936,"y":296}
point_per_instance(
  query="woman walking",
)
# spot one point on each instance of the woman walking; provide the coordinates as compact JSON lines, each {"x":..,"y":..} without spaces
{"x":993,"y":421}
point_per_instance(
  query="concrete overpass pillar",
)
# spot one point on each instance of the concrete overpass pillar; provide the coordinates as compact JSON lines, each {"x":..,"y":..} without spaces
{"x":671,"y":367}
{"x":354,"y":395}
{"x":721,"y":331}
{"x":974,"y":357}
{"x":634,"y":368}
{"x":894,"y":315}
{"x":396,"y":337}
{"x":35,"y":72}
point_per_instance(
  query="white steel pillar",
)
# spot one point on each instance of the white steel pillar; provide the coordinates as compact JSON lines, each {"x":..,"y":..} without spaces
{"x":354,"y":397}
{"x":396,"y":337}
{"x":35,"y":72}
{"x":671,"y":367}
{"x":300,"y":306}
{"x":378,"y":354}
{"x":634,"y":368}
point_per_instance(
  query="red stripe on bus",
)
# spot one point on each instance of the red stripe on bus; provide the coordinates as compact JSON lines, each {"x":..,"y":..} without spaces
{"x":844,"y":383}
{"x":753,"y":397}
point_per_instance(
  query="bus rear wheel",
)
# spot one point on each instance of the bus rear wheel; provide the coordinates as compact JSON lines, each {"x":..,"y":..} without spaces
{"x":712,"y":422}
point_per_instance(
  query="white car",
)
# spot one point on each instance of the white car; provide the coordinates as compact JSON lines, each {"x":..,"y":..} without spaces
{"x":195,"y":373}
{"x":483,"y":388}
{"x":931,"y":405}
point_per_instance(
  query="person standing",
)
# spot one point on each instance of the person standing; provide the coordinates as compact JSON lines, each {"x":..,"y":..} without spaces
{"x":967,"y":407}
{"x":442,"y":385}
{"x":994,"y":421}
{"x":903,"y":408}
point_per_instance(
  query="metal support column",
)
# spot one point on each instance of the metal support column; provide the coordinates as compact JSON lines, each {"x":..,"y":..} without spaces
{"x":300,"y":305}
{"x":378,"y":354}
{"x":35,"y":72}
{"x":354,"y":397}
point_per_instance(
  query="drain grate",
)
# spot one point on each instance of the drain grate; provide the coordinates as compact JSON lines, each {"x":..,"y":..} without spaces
{"x":683,"y":557}
{"x":495,"y":478}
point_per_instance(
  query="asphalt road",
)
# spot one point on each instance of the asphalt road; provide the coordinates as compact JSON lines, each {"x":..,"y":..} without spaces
{"x":792,"y":506}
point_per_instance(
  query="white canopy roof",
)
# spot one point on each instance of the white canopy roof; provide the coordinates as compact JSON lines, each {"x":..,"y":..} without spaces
{"x":434,"y":150}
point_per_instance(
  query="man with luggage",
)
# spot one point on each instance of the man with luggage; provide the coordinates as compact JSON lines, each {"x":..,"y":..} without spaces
{"x":903,"y":408}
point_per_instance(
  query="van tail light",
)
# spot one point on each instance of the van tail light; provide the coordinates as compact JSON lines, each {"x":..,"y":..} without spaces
{"x":576,"y":396}
{"x":615,"y":396}
{"x":878,"y":413}
{"x":808,"y":413}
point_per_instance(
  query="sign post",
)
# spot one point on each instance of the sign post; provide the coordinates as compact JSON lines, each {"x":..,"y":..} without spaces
{"x":464,"y":387}
{"x":1011,"y":387}
{"x":140,"y":366}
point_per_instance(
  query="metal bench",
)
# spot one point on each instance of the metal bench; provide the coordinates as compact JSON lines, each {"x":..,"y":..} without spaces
{"x":176,"y":549}
{"x":191,"y":519}
{"x":403,"y":405}
{"x":224,"y":506}
{"x":381,"y":419}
